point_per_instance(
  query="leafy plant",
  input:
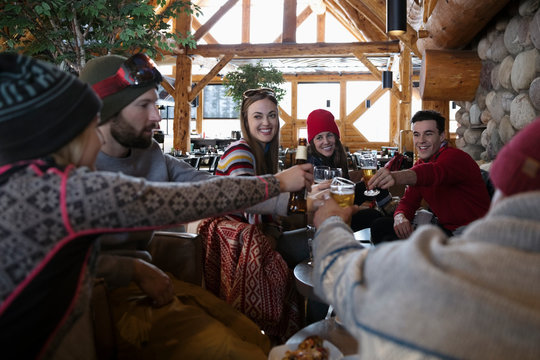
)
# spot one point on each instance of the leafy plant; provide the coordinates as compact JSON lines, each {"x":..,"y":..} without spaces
{"x":251,"y":76}
{"x":70,"y":32}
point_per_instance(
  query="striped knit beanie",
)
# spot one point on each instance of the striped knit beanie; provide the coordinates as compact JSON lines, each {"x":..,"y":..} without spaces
{"x":42,"y":108}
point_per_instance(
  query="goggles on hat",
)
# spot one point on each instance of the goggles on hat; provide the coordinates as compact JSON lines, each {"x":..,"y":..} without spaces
{"x":138,"y":70}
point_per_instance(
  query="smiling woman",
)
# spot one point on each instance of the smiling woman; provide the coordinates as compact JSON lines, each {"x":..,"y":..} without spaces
{"x":255,"y":245}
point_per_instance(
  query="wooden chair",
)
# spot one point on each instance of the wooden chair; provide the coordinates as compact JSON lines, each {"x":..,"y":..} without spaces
{"x":193,"y":161}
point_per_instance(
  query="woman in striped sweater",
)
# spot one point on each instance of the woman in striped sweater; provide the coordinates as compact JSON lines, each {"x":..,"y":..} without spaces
{"x":256,"y":258}
{"x":257,"y":154}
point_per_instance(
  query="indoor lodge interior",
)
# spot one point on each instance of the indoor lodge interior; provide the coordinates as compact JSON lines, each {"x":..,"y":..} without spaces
{"x":443,"y":61}
{"x":373,"y":64}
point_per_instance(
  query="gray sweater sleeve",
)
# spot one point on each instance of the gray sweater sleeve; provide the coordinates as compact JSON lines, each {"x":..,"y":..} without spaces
{"x":274,"y":206}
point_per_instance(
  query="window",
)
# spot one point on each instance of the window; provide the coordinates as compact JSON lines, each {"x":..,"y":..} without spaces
{"x":313,"y":96}
{"x":217,"y":105}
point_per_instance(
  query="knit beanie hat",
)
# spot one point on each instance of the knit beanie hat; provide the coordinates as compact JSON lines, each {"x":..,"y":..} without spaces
{"x":517,"y":166}
{"x":42,"y":108}
{"x":321,"y":120}
{"x":99,"y":69}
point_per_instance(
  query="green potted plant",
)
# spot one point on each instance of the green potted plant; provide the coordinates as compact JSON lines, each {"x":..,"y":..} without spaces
{"x":251,"y":76}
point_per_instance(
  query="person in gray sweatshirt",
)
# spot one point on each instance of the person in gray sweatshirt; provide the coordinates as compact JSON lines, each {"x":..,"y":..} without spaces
{"x":130,"y":115}
{"x":472,"y":296}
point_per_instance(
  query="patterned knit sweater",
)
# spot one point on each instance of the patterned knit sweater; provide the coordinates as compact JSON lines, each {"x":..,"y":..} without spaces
{"x":50,"y":218}
{"x":474,"y":296}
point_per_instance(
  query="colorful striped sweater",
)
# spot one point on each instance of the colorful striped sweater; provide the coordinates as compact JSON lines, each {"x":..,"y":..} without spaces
{"x":239,"y":160}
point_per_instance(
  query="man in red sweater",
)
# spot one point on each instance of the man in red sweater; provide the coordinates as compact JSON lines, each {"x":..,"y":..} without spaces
{"x":448,"y":179}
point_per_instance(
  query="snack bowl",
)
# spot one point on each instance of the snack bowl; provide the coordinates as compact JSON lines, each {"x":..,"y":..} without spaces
{"x":278,"y":352}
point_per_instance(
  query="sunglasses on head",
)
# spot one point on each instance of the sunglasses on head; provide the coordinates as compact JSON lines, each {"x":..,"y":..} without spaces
{"x":252,"y":92}
{"x":138,"y":70}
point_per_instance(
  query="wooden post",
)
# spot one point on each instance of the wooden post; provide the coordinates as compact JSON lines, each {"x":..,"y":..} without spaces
{"x":443,"y":107}
{"x":294,"y":112}
{"x":342,"y":108}
{"x":246,"y":21}
{"x":405,"y":108}
{"x":182,"y":106}
{"x":321,"y":27}
{"x":200,"y":112}
{"x":289,"y":21}
{"x":394,"y":114}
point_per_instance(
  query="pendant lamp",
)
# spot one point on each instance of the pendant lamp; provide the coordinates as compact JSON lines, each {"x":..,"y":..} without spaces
{"x":396,"y":17}
{"x":387,"y":79}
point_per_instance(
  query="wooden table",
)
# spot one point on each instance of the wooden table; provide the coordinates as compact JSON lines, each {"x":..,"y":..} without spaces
{"x":329,"y":330}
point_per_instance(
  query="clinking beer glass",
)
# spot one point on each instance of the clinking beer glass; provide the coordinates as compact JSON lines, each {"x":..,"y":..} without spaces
{"x":342,"y":191}
{"x":368,"y":164}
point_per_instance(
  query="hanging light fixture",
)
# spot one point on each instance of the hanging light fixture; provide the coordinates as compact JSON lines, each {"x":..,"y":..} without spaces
{"x":387,"y":79}
{"x":396,"y":17}
{"x":317,"y":6}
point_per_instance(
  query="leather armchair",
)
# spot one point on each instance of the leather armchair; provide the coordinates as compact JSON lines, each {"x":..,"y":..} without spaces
{"x":178,"y":253}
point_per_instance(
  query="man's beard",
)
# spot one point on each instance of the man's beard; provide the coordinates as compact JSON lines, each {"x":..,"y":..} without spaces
{"x":127,"y":136}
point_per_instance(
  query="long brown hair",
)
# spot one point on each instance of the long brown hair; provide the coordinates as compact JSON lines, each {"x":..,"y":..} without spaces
{"x":266,"y":162}
{"x":338,"y":158}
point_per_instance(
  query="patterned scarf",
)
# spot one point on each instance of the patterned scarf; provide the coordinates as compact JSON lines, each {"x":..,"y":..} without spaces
{"x":241,"y":268}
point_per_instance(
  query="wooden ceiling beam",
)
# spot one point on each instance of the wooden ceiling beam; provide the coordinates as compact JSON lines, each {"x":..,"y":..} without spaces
{"x":321,"y":27}
{"x":246,"y":21}
{"x":343,"y":18}
{"x":289,"y":21}
{"x":214,"y":19}
{"x":454,"y":24}
{"x":207,"y":37}
{"x":292,"y":50}
{"x":208,"y":77}
{"x":328,"y":77}
{"x":351,"y":117}
{"x":363,"y":25}
{"x":309,"y":77}
{"x":378,"y":74}
{"x":299,"y":20}
{"x":373,"y":10}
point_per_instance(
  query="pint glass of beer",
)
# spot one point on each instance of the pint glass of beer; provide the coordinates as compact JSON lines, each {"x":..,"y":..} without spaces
{"x":342,"y":191}
{"x":368,"y":164}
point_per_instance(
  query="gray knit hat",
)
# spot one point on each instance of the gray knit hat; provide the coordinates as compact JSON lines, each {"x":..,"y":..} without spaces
{"x":99,"y":69}
{"x":42,"y":108}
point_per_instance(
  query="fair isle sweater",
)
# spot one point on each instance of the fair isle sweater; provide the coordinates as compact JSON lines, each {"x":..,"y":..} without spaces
{"x":50,"y":219}
{"x":474,"y":296}
{"x":239,"y":160}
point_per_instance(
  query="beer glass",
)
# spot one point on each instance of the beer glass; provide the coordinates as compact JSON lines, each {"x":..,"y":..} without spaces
{"x":320,"y":174}
{"x":342,"y":191}
{"x":368,"y":164}
{"x":335,"y":172}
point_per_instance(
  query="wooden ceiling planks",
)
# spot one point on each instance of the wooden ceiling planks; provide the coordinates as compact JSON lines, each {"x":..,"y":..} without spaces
{"x":293,"y":49}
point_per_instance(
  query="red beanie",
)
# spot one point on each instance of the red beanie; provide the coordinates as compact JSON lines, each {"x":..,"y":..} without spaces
{"x":517,"y":166}
{"x":320,"y":120}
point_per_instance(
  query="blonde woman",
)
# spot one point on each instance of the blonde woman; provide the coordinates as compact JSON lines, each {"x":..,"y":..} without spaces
{"x":54,"y":207}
